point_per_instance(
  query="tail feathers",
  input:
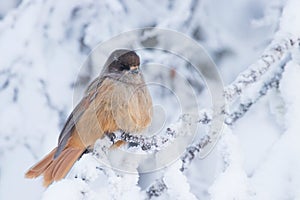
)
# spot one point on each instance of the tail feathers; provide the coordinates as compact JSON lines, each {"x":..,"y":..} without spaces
{"x":55,"y":169}
{"x":61,"y":165}
{"x":41,"y":166}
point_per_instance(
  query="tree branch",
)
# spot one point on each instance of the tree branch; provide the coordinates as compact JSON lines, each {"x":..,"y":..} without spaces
{"x":244,"y":80}
{"x":274,"y":54}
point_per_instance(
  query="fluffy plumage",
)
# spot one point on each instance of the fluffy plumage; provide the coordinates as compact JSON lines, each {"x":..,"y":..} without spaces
{"x":117,"y":100}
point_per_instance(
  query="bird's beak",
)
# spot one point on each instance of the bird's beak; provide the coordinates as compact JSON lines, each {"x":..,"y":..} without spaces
{"x":134,"y":69}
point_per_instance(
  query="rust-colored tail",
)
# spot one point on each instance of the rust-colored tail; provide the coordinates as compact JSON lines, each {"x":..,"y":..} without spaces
{"x":55,"y":169}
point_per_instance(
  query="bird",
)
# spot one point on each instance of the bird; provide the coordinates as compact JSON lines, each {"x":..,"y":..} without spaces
{"x":117,"y":100}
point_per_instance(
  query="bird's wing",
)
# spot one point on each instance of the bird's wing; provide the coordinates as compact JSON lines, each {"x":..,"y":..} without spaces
{"x":74,"y":117}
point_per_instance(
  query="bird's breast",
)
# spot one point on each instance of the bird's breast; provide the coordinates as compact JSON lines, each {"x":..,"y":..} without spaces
{"x":121,"y":106}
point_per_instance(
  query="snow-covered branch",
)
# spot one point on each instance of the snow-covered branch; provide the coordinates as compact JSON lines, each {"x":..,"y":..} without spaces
{"x":158,"y":187}
{"x":148,"y":144}
{"x":275,"y":53}
{"x":250,"y":76}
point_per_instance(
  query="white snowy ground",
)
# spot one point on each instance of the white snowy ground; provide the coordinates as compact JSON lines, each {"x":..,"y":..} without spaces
{"x":44,"y":43}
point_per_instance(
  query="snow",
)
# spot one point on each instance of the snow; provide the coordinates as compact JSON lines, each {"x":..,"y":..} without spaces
{"x":43,"y":72}
{"x":178,"y":187}
{"x":70,"y":189}
{"x":233,"y":182}
{"x":278,"y":175}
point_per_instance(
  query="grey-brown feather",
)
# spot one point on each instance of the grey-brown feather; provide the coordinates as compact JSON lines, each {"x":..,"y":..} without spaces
{"x":76,"y":114}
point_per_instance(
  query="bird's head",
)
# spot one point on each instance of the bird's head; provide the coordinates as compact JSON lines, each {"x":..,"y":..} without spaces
{"x":123,"y":61}
{"x":123,"y":65}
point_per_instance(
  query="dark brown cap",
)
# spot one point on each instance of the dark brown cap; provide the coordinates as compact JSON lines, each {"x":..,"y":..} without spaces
{"x":122,"y":59}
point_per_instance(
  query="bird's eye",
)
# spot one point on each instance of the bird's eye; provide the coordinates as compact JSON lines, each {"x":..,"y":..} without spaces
{"x":124,"y":67}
